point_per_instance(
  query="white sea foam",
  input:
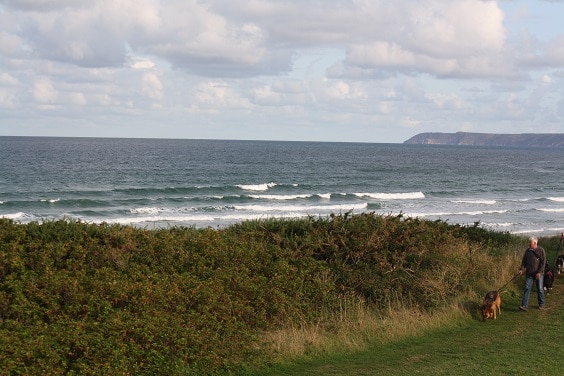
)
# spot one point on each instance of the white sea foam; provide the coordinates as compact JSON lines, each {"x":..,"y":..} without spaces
{"x":326,"y":196}
{"x":212,"y":197}
{"x":51,"y":200}
{"x":446,"y":214}
{"x":552,"y":210}
{"x":200,"y":218}
{"x":146,"y":210}
{"x":159,"y":210}
{"x":159,"y":218}
{"x":257,"y":187}
{"x":503,"y":224}
{"x":301,"y":208}
{"x":480,"y":212}
{"x":185,"y":218}
{"x":485,"y":202}
{"x":529,"y":231}
{"x":279,"y":197}
{"x":392,"y":196}
{"x":15,"y":216}
{"x":250,"y":216}
{"x":557,"y":199}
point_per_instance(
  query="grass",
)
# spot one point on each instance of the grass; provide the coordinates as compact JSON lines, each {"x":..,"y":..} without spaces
{"x":517,"y":343}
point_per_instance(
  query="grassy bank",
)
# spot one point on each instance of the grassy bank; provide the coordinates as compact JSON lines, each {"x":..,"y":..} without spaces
{"x":453,"y":340}
{"x":517,"y":343}
{"x":79,"y":298}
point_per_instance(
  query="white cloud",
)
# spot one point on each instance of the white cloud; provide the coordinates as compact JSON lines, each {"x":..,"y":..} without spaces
{"x":398,"y":65}
{"x":7,"y":79}
{"x":215,"y":97}
{"x":77,"y":99}
{"x":9,"y":43}
{"x":44,"y":91}
{"x":443,"y":38}
{"x":152,"y":86}
{"x":341,"y":90}
{"x":140,"y":63}
{"x":385,"y":107}
{"x":446,"y":101}
{"x":242,"y":39}
{"x":410,"y":123}
{"x":459,"y":28}
{"x":282,"y":94}
{"x":266,"y":96}
{"x":43,"y":5}
{"x":7,"y":99}
{"x":546,"y":79}
{"x":390,"y":56}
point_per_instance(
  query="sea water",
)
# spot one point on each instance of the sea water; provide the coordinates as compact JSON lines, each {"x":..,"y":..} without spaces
{"x":155,"y":183}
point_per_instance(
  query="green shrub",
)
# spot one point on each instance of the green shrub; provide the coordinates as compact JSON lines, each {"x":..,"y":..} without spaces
{"x":80,"y":298}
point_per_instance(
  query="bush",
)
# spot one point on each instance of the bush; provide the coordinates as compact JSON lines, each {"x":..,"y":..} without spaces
{"x":81,"y":298}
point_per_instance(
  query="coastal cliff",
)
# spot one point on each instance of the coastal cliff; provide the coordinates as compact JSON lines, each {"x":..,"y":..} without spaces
{"x":545,"y":140}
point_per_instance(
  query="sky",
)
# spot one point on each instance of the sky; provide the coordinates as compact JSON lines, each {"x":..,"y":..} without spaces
{"x":303,"y":70}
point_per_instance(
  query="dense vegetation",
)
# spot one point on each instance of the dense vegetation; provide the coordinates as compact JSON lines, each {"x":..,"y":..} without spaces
{"x":81,"y":298}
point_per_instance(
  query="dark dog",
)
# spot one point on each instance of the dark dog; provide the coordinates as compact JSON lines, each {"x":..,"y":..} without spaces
{"x":491,"y":306}
{"x":560,"y":264}
{"x":548,"y":278}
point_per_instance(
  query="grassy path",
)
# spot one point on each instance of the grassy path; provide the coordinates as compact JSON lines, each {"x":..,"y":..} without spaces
{"x":517,"y":343}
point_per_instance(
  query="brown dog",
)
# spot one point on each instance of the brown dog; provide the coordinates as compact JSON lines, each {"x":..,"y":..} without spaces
{"x":491,"y":306}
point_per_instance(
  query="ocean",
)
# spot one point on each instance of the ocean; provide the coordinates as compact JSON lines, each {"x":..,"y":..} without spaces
{"x":156,"y":183}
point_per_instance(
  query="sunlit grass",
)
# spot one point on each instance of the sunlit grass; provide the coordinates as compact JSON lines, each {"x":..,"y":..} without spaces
{"x":358,"y":329}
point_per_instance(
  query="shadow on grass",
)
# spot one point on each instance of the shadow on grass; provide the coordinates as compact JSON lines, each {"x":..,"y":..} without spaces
{"x":473,"y":308}
{"x":510,"y":301}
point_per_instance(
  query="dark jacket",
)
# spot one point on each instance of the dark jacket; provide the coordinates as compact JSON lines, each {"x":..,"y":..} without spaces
{"x":534,"y":261}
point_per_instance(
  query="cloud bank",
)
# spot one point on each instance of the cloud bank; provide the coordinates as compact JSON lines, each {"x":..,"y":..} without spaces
{"x":342,"y":70}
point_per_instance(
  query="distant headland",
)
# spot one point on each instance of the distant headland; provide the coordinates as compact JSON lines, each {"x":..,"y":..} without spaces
{"x":544,"y":140}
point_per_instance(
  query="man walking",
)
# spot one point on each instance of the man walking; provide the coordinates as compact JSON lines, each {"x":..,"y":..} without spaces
{"x":533,"y":263}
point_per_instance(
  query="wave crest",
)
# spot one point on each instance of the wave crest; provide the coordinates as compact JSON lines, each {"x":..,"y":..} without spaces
{"x":256,"y":187}
{"x":392,"y":196}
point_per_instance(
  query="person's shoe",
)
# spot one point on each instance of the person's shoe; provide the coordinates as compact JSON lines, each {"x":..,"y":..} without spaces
{"x":542,"y":308}
{"x":523,"y":308}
